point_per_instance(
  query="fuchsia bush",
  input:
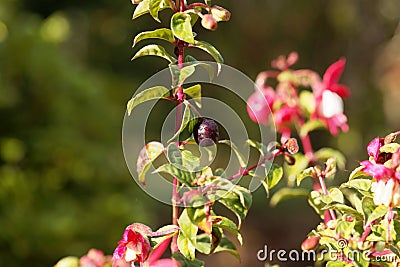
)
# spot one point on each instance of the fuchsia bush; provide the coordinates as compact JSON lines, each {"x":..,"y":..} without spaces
{"x":358,"y":217}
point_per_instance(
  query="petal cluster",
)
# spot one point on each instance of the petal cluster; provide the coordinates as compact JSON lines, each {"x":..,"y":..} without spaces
{"x":133,"y":247}
{"x":286,"y":105}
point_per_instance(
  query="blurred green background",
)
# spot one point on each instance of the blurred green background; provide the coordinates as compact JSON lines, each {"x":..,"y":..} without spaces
{"x":65,"y":78}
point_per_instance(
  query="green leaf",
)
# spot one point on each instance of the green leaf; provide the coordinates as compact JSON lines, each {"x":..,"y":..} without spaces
{"x":377,"y":213}
{"x":156,"y":5}
{"x":181,"y":27}
{"x":358,"y":173}
{"x":200,"y":218}
{"x":336,"y":195}
{"x":344,"y":209}
{"x":194,"y":92}
{"x":163,"y":234}
{"x":183,"y":176}
{"x":325,"y":153}
{"x":154,"y":50}
{"x":292,"y":171}
{"x":185,"y":73}
{"x":304,"y":174}
{"x":395,"y":250}
{"x":147,"y":155}
{"x":141,"y":9}
{"x":157,"y":92}
{"x":228,"y":225}
{"x":163,"y":34}
{"x":187,"y":236}
{"x":259,"y":146}
{"x":216,"y":55}
{"x":368,"y":207}
{"x":190,"y":161}
{"x":185,"y":120}
{"x":68,"y":262}
{"x":205,"y":66}
{"x":227,"y":246}
{"x":274,"y":175}
{"x":287,"y":193}
{"x":152,"y":6}
{"x":174,"y":154}
{"x":184,"y":262}
{"x":358,"y":184}
{"x":335,"y":264}
{"x":239,"y":155}
{"x":311,"y":126}
{"x":238,"y":200}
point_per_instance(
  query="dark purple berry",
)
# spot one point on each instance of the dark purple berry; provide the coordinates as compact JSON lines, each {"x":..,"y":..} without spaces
{"x":206,"y":132}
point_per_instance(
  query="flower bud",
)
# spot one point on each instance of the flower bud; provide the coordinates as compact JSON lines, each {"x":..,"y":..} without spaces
{"x":220,"y":14}
{"x":136,"y":1}
{"x":209,"y":22}
{"x":310,"y":243}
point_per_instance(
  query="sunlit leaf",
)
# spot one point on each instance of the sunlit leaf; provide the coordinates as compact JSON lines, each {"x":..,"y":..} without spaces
{"x":368,"y":206}
{"x":304,"y":174}
{"x":181,"y":27}
{"x":163,"y":34}
{"x":336,"y":195}
{"x":344,"y":209}
{"x":228,"y":225}
{"x":377,"y":213}
{"x":187,"y":236}
{"x":194,"y":92}
{"x":154,"y":50}
{"x":274,"y":175}
{"x":216,"y":55}
{"x":147,"y":155}
{"x":156,"y":5}
{"x":157,"y":92}
{"x":183,"y":176}
{"x":141,"y":9}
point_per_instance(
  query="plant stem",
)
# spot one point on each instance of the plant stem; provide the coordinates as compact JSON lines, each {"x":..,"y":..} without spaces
{"x":308,"y":151}
{"x":180,"y":97}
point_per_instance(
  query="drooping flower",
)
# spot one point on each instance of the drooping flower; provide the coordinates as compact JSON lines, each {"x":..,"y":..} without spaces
{"x":386,"y":177}
{"x":134,"y":245}
{"x":329,"y":99}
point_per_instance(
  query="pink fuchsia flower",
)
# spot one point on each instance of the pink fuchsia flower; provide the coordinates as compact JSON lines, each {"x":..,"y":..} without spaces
{"x":329,"y":98}
{"x":94,"y":258}
{"x":260,"y":103}
{"x":134,"y":245}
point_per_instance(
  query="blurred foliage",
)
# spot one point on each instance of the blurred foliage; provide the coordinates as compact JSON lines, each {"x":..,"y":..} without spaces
{"x":65,"y":77}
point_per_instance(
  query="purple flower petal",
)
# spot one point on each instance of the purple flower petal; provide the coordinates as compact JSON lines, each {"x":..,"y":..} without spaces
{"x":373,"y":148}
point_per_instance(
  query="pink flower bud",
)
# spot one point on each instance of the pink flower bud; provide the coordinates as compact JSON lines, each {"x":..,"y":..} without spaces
{"x":220,"y":13}
{"x":136,"y":1}
{"x":209,"y":22}
{"x":310,"y":243}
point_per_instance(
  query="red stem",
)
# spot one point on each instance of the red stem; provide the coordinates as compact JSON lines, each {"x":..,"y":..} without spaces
{"x":180,"y":96}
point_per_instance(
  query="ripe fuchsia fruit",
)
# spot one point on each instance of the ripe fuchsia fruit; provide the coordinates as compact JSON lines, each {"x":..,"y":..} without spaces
{"x":206,"y":132}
